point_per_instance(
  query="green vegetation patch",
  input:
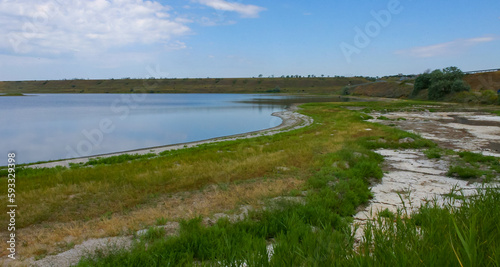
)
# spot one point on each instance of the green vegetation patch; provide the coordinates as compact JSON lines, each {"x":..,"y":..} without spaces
{"x":313,"y":232}
{"x":333,"y":156}
{"x":118,"y":159}
{"x":434,"y":153}
{"x":12,"y":94}
{"x":334,"y":194}
{"x":441,"y":83}
{"x":437,"y":236}
{"x":464,"y":172}
{"x":474,"y":165}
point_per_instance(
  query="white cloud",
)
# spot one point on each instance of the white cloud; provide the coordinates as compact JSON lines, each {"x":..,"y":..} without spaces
{"x":246,"y":11}
{"x":443,"y":49}
{"x":53,"y":27}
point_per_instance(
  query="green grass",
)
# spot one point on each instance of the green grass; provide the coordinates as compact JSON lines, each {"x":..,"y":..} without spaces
{"x":438,"y":236}
{"x":464,"y":172}
{"x":383,"y":118}
{"x":291,"y":225}
{"x":433,"y":153}
{"x":471,"y":157}
{"x":387,"y":214}
{"x":12,"y":94}
{"x":118,"y":159}
{"x":161,"y":221}
{"x":434,"y":236}
{"x":475,"y":165}
{"x":333,"y":157}
{"x":334,"y":193}
{"x":120,"y":183}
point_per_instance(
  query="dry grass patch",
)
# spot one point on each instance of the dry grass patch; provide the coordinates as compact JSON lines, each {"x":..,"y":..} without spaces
{"x":51,"y":238}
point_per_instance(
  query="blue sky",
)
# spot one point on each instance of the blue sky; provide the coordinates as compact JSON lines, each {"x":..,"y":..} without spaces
{"x":66,"y":39}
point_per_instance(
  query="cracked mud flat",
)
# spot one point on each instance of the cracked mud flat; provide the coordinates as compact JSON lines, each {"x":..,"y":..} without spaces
{"x":471,"y":131}
{"x":411,"y":179}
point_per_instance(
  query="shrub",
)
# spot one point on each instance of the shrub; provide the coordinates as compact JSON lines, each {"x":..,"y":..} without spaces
{"x":276,"y":89}
{"x":345,"y":90}
{"x":459,"y":86}
{"x":422,"y":82}
{"x":440,"y":83}
{"x":436,"y":91}
{"x":488,"y":97}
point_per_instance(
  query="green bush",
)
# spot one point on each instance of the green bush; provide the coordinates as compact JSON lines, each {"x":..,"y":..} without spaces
{"x":459,"y":86}
{"x":441,"y":83}
{"x":345,"y":90}
{"x":439,"y":89}
{"x":489,"y":97}
{"x":276,"y":89}
{"x":422,"y":82}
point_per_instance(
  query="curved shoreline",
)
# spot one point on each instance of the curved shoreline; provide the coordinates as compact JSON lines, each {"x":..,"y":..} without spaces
{"x":291,"y":120}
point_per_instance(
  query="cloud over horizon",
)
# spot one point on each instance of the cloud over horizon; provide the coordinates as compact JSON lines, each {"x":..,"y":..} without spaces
{"x":443,"y":49}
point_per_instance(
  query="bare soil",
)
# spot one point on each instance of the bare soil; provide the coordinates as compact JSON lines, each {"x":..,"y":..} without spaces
{"x":411,"y":179}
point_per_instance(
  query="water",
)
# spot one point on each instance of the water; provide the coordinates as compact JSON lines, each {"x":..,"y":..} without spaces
{"x":57,"y":126}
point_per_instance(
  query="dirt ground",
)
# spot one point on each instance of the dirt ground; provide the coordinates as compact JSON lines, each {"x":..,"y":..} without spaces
{"x":471,"y":131}
{"x":411,"y":179}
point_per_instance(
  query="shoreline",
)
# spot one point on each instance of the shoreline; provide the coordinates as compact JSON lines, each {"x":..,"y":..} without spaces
{"x":291,"y":120}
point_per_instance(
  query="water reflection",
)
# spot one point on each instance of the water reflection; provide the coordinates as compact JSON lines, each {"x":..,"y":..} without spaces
{"x":289,"y":100}
{"x":56,"y":126}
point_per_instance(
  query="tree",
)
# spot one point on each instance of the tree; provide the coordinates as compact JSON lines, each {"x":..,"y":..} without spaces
{"x":438,"y":89}
{"x":422,"y":82}
{"x":453,"y":73}
{"x":459,"y":86}
{"x":440,"y":83}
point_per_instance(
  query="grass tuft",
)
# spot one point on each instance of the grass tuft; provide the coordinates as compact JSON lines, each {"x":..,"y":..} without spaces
{"x":433,"y":153}
{"x":464,"y":172}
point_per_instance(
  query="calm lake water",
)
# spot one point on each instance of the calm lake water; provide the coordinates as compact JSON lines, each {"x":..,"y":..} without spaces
{"x":57,"y":126}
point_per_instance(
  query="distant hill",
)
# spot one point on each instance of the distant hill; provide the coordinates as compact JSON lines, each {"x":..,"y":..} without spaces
{"x":318,"y":85}
{"x":383,"y":89}
{"x":479,"y":82}
{"x":315,"y":85}
{"x":484,"y":81}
